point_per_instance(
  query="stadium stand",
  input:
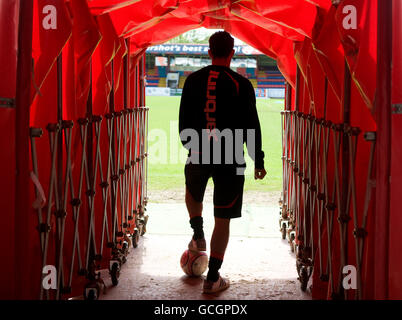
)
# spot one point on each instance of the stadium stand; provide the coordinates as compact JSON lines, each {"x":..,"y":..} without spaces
{"x":260,"y":78}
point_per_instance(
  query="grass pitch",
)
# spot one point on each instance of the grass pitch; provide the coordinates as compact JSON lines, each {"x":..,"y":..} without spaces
{"x":167,"y":156}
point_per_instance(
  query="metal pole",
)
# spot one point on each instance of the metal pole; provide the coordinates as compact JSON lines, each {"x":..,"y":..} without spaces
{"x":344,"y":209}
{"x":23,"y":98}
{"x":297,"y":101}
{"x":90,"y":252}
{"x":288,"y":103}
{"x":383,"y":151}
{"x":126,"y":71}
{"x":59,"y":156}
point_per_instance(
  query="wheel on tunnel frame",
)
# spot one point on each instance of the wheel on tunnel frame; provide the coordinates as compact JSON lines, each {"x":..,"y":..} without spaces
{"x":124,"y":250}
{"x":283,"y":231}
{"x":144,"y":222}
{"x":114,"y":274}
{"x":91,"y":291}
{"x":292,"y":241}
{"x":91,"y":295}
{"x":135,"y":238}
{"x":303,"y":279}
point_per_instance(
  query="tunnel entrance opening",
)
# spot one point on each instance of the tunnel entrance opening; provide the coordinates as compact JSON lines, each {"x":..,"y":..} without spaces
{"x":168,"y":221}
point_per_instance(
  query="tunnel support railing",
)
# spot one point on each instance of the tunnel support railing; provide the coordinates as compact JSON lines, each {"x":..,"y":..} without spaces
{"x":100,"y":200}
{"x":313,"y":194}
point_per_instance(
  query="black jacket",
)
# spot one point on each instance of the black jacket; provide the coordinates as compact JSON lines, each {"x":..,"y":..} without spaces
{"x":216,"y":97}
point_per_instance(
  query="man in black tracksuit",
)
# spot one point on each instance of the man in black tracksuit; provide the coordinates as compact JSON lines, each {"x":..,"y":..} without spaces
{"x":217,"y":115}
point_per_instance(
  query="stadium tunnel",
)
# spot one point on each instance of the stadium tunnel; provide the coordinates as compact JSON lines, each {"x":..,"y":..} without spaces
{"x":74,"y":134}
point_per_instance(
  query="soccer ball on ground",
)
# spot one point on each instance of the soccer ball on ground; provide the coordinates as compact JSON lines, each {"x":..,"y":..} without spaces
{"x":193,"y":263}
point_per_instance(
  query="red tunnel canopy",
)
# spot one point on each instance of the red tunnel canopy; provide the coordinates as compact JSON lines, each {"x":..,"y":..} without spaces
{"x":270,"y":26}
{"x":281,"y":29}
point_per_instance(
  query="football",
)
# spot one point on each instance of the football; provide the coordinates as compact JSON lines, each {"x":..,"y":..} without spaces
{"x":193,"y":263}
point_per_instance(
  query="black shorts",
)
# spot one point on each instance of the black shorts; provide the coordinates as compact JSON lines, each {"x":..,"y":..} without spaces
{"x":228,"y":187}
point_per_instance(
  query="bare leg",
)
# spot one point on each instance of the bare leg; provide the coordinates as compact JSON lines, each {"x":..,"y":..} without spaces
{"x":194,"y":208}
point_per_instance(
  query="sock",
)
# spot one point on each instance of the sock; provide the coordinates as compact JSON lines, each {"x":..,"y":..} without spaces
{"x":214,"y":265}
{"x":196,"y":224}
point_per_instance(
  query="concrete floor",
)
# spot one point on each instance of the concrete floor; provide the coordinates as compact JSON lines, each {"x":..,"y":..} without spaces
{"x":258,"y":262}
